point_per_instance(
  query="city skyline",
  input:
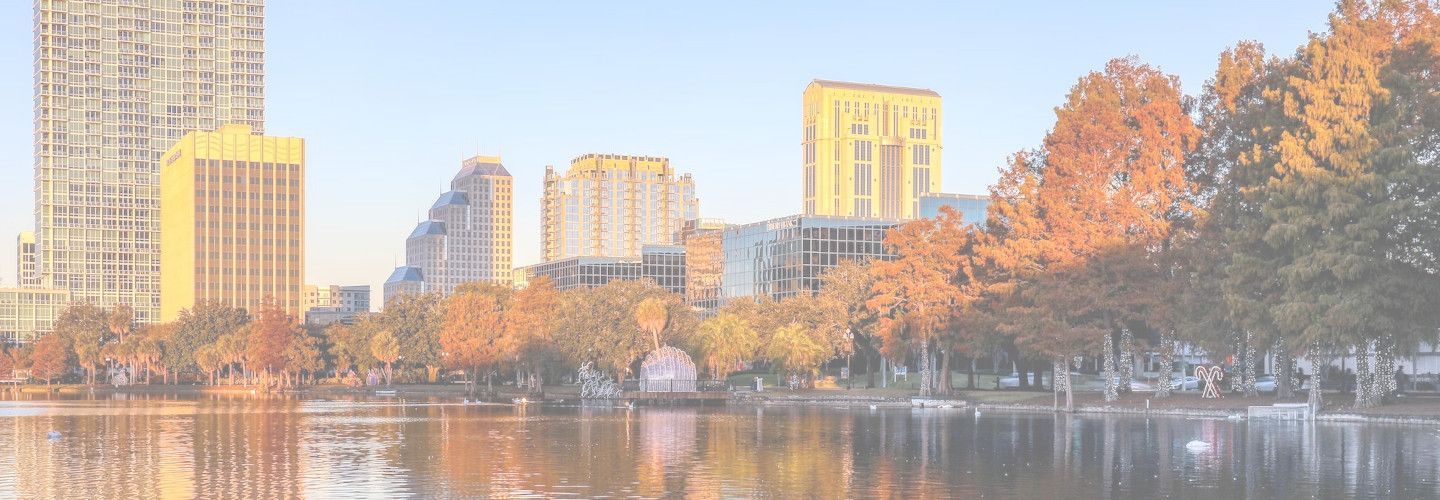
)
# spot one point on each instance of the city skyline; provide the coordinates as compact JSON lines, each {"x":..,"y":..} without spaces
{"x":765,"y":99}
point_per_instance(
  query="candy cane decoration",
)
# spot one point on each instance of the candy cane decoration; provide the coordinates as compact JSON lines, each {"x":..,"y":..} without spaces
{"x":1212,"y":376}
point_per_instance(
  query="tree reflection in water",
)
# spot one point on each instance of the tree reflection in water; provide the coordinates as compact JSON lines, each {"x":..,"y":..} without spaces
{"x":230,"y":446}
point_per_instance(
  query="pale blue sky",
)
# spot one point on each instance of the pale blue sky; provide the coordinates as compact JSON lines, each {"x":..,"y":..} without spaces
{"x":390,"y":96}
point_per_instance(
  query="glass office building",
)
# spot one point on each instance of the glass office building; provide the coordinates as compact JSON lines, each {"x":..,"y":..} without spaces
{"x":784,"y":257}
{"x":663,"y":264}
{"x":704,"y":263}
{"x":972,"y":207}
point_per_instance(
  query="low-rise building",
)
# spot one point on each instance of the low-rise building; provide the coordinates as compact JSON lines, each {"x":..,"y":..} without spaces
{"x":28,"y":313}
{"x":663,"y":264}
{"x":972,"y":207}
{"x":784,"y":257}
{"x":335,"y":303}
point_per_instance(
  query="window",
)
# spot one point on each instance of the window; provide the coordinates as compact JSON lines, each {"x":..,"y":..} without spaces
{"x":863,"y":151}
{"x":863,"y":179}
{"x":920,"y":154}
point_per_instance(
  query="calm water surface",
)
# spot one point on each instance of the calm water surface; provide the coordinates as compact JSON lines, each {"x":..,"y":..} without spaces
{"x":231,"y":446}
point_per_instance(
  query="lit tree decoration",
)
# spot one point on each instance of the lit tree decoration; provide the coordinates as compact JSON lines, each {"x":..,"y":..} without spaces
{"x":596,"y":385}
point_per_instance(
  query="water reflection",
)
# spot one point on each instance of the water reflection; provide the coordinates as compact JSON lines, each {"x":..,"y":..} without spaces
{"x":218,"y":446}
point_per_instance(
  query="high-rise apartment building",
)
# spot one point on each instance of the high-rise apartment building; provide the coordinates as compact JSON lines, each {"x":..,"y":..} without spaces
{"x":869,"y":150}
{"x":467,"y":236}
{"x":232,"y":218}
{"x":26,"y":275}
{"x":116,"y":85}
{"x":612,"y":205}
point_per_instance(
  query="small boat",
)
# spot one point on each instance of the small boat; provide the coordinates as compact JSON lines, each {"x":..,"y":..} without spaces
{"x":385,"y":392}
{"x":53,"y":435}
{"x":1197,"y":446}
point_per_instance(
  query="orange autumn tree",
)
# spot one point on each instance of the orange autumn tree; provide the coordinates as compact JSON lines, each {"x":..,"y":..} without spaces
{"x":1019,"y":255}
{"x":474,"y":338}
{"x":269,"y":340}
{"x":916,"y":293}
{"x":50,"y":358}
{"x":531,"y":320}
{"x":1078,"y":222}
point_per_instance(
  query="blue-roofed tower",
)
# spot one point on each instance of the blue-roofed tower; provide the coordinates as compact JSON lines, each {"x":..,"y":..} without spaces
{"x":467,"y":234}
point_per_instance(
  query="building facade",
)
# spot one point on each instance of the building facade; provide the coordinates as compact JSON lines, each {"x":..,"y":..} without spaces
{"x":405,"y":280}
{"x":784,"y":257}
{"x":703,"y":240}
{"x":612,"y":205}
{"x":348,"y":297}
{"x":27,"y":313}
{"x":232,"y":221}
{"x":662,"y":264}
{"x":869,"y":150}
{"x":325,"y":305}
{"x":26,"y":273}
{"x":467,"y":236}
{"x":116,"y":85}
{"x":972,"y":207}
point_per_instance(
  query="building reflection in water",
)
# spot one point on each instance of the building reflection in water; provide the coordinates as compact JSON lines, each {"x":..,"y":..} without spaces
{"x":231,"y":446}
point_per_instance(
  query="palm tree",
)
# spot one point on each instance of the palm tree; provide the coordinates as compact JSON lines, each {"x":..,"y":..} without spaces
{"x":652,"y":315}
{"x":726,"y":339}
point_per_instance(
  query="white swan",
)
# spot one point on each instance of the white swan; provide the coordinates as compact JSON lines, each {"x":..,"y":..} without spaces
{"x":1197,"y":446}
{"x":872,"y":407}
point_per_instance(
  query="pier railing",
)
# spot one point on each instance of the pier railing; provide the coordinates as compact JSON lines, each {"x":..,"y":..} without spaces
{"x":634,"y":385}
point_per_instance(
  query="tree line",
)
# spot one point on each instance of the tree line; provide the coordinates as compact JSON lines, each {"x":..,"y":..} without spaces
{"x":1290,"y":210}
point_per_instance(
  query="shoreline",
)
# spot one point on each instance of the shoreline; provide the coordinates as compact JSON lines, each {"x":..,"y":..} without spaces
{"x":1404,"y":411}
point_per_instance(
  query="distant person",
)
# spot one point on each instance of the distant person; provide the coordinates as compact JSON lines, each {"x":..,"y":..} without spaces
{"x":1400,"y":380}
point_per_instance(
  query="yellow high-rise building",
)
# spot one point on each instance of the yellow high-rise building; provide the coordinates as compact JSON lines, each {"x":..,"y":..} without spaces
{"x":232,"y":218}
{"x":869,"y":150}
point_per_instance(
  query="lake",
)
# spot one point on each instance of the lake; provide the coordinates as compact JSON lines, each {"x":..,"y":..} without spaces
{"x":235,"y":446}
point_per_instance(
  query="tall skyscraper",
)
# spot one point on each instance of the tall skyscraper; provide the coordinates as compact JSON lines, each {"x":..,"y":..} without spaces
{"x":232,"y":218}
{"x":467,"y":236}
{"x":612,"y":205}
{"x":869,"y":150}
{"x":116,"y":85}
{"x":26,"y":275}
